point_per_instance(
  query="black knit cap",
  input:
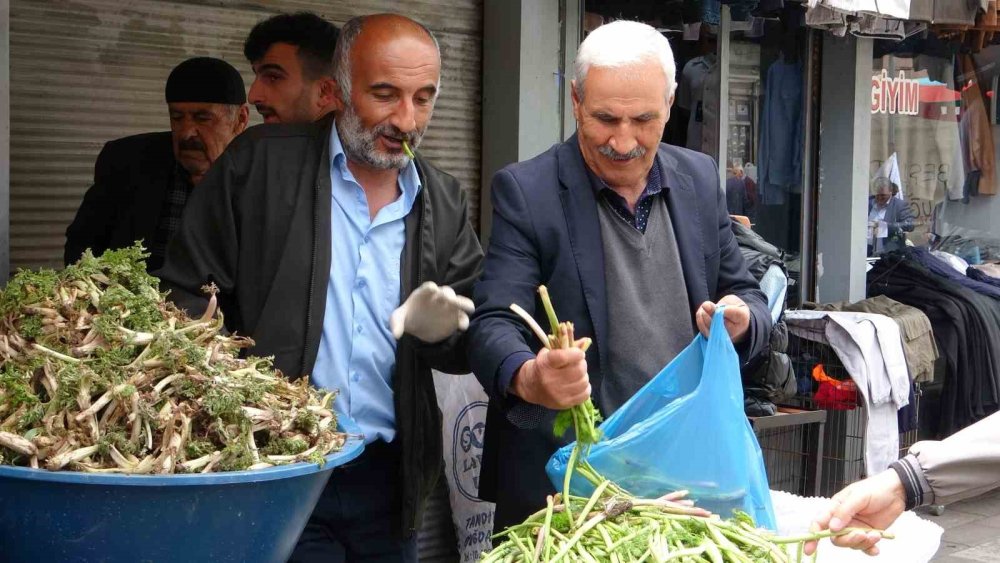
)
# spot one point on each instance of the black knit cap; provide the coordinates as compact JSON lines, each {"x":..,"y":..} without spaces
{"x":207,"y":80}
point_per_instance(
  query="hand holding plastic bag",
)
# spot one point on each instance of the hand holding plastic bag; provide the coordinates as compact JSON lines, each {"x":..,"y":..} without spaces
{"x":684,"y":430}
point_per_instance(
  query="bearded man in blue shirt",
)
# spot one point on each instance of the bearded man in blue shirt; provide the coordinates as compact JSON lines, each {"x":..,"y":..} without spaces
{"x":350,"y":263}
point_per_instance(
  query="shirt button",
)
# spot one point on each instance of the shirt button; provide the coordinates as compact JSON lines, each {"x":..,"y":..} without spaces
{"x":367,"y":239}
{"x":356,"y":378}
{"x":361,"y":283}
{"x":359,"y":329}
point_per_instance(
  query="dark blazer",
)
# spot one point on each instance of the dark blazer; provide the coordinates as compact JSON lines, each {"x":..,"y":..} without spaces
{"x":899,"y":219}
{"x":131,"y":180}
{"x":546,"y":231}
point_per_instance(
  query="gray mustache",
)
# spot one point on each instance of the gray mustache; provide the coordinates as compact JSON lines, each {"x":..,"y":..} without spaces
{"x":637,"y":152}
{"x":392,"y":131}
{"x":191,"y":145}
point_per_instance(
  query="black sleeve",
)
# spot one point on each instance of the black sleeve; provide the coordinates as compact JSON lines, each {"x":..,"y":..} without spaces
{"x":99,"y":212}
{"x":904,"y":221}
{"x":206,"y":246}
{"x":463,"y":270}
{"x":735,"y":279}
{"x":500,"y":343}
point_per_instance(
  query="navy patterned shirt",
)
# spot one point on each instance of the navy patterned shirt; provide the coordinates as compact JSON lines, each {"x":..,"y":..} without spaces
{"x":170,"y":216}
{"x":640,"y":218}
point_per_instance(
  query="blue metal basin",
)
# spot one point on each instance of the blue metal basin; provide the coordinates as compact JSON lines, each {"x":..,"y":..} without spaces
{"x":240,"y":516}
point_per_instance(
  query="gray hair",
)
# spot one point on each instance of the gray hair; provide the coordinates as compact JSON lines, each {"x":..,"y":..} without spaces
{"x":622,"y":44}
{"x":233,"y":111}
{"x":882,"y":182}
{"x":345,"y":43}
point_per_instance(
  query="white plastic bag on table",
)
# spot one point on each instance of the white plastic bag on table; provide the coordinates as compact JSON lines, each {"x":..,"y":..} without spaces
{"x":917,"y":539}
{"x":463,"y":408}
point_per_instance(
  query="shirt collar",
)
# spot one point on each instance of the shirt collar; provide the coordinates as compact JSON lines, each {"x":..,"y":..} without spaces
{"x":409,"y":177}
{"x":182,"y":178}
{"x":654,"y":182}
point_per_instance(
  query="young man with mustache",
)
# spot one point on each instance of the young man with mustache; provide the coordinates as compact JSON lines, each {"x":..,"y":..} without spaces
{"x":350,"y":263}
{"x":142,"y":183}
{"x":292,"y":59}
{"x":632,"y":238}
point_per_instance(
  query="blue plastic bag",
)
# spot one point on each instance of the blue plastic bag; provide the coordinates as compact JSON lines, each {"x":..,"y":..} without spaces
{"x":684,"y":430}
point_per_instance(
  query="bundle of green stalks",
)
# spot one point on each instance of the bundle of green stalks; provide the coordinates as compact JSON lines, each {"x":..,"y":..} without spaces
{"x":99,"y":373}
{"x":613,"y":526}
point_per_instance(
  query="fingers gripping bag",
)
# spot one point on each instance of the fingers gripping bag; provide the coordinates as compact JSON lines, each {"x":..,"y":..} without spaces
{"x":684,"y":430}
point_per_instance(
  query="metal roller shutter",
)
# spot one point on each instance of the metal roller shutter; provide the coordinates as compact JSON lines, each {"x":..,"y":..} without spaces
{"x":84,"y":72}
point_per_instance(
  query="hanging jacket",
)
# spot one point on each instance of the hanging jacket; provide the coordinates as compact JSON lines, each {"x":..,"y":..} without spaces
{"x":768,"y":378}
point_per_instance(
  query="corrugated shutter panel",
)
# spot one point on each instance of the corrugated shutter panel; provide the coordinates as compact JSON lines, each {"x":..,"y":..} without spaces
{"x":437,"y":542}
{"x":84,"y":72}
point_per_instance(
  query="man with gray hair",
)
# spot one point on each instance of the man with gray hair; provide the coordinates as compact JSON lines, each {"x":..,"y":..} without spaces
{"x":889,"y":218}
{"x":632,"y":239}
{"x":350,"y":261}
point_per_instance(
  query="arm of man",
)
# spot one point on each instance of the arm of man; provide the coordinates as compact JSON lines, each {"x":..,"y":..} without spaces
{"x":464,"y":268}
{"x":498,"y":340}
{"x":205,"y":248}
{"x":500,"y":346}
{"x":735,"y":280}
{"x":98,"y":213}
{"x":904,"y":219}
{"x":964,"y":465}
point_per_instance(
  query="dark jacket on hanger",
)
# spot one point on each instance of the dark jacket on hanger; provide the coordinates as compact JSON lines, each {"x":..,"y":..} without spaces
{"x":966,"y":328}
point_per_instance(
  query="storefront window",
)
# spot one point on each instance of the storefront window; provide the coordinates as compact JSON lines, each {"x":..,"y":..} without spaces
{"x":695,"y":118}
{"x":765,"y":135}
{"x":934,"y":151}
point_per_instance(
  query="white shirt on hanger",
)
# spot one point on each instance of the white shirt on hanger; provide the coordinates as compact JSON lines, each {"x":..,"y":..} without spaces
{"x":890,"y":8}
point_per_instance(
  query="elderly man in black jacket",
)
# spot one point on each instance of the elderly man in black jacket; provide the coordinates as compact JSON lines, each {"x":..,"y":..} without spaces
{"x":142,"y":183}
{"x":315,"y":234}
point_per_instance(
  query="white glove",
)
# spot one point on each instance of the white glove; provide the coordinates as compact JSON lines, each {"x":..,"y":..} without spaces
{"x":431,"y":313}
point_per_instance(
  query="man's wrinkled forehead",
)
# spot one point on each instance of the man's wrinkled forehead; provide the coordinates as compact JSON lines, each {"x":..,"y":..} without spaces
{"x":395,"y":41}
{"x":197,"y":108}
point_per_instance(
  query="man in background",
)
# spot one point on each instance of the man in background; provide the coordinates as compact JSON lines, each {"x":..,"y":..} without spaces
{"x":142,"y":182}
{"x":292,"y":58}
{"x":889,"y":219}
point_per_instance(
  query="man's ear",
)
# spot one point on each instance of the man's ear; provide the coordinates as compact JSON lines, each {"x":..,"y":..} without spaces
{"x":243,"y":118}
{"x":329,"y":93}
{"x":576,"y":100}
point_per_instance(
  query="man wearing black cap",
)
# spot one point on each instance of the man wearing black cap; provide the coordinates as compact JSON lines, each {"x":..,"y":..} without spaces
{"x":142,"y":182}
{"x":292,"y":58}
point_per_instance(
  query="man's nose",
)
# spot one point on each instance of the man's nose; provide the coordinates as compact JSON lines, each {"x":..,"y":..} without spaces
{"x":623,"y":142}
{"x":404,"y":117}
{"x":190,"y":131}
{"x":255,"y":95}
{"x":186,"y":129}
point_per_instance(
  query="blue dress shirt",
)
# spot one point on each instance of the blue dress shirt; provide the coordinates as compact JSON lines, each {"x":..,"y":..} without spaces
{"x":357,"y":352}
